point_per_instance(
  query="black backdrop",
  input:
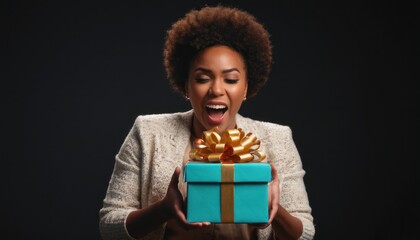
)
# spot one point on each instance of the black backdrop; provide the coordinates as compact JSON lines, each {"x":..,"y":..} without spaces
{"x":77,"y":74}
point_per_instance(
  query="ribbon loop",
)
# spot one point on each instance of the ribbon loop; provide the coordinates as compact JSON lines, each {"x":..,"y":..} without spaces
{"x":234,"y":146}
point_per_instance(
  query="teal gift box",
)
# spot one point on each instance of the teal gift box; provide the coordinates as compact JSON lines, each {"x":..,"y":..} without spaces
{"x":227,"y":193}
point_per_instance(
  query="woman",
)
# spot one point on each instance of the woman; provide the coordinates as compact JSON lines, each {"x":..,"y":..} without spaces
{"x":216,"y":57}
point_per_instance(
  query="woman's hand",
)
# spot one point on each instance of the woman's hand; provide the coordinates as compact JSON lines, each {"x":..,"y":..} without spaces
{"x":174,"y":203}
{"x":273,"y":197}
{"x":284,"y":225}
{"x":143,"y":221}
{"x":273,"y":194}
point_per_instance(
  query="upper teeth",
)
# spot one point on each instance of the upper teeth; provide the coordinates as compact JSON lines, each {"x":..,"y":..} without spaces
{"x":216,"y":106}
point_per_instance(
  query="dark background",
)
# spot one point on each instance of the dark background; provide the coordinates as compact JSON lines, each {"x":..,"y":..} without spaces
{"x":76,"y":74}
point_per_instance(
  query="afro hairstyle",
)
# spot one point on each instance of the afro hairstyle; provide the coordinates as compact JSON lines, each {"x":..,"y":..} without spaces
{"x":219,"y":25}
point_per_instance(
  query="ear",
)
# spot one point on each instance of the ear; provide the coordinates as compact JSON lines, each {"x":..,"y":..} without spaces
{"x":246,"y":90}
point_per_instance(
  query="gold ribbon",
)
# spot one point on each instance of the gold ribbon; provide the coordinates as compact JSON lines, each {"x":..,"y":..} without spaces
{"x":227,"y":192}
{"x":232,"y":147}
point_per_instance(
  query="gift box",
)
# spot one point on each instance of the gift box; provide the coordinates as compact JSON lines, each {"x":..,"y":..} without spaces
{"x":227,"y":193}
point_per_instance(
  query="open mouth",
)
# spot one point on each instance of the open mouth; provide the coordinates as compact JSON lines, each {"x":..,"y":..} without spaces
{"x":216,"y":111}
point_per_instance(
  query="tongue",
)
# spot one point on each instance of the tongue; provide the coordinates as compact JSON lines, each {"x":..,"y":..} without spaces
{"x":216,"y":114}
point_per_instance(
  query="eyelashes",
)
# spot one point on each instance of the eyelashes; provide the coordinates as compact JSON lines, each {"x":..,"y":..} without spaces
{"x":227,"y":80}
{"x":202,"y":80}
{"x":231,"y":81}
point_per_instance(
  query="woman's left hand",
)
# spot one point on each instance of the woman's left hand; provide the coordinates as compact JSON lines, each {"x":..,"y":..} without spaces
{"x":273,"y":197}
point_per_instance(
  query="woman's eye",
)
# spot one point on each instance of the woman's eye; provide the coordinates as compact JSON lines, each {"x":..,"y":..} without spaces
{"x":201,"y":80}
{"x":231,"y":81}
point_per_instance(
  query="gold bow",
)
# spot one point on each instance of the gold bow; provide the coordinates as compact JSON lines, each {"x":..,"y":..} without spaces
{"x":232,"y":147}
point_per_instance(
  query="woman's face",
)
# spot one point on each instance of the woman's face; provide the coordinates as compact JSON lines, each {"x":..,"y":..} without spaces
{"x":216,"y":86}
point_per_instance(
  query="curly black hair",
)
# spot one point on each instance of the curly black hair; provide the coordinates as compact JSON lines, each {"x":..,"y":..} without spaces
{"x":219,"y":25}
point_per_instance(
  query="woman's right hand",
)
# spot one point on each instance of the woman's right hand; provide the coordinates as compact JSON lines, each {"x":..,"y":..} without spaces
{"x":174,"y":203}
{"x":145,"y":220}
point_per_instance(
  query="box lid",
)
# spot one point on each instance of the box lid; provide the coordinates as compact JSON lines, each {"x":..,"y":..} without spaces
{"x":212,"y":172}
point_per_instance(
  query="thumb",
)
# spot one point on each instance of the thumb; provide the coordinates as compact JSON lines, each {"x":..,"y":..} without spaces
{"x":274,"y":174}
{"x":175,"y":177}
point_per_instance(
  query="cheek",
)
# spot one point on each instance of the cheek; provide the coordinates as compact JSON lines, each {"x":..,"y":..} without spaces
{"x":237,"y":94}
{"x":196,"y":93}
{"x":198,"y":89}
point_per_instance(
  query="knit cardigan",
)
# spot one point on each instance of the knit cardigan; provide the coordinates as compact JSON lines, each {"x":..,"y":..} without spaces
{"x":155,"y":146}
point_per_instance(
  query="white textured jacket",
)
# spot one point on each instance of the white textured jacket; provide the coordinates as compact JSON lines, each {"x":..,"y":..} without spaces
{"x":156,"y":145}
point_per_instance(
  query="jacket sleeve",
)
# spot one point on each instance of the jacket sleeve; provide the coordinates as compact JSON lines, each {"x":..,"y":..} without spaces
{"x":282,"y":152}
{"x":293,"y":195}
{"x":123,"y":194}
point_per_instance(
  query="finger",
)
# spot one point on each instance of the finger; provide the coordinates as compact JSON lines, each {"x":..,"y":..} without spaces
{"x":183,"y":219}
{"x":274,"y":174}
{"x":264,"y":226}
{"x":273,"y":212}
{"x":275,"y":184}
{"x":260,"y":225}
{"x":275,"y":193}
{"x":175,"y":177}
{"x":189,"y":225}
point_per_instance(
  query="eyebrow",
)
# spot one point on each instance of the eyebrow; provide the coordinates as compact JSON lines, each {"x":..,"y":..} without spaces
{"x":209,"y":71}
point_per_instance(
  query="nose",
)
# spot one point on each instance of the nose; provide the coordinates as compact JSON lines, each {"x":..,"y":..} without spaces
{"x":216,"y":89}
